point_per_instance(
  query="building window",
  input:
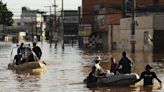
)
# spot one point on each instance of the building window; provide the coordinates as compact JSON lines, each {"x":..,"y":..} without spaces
{"x":128,"y":7}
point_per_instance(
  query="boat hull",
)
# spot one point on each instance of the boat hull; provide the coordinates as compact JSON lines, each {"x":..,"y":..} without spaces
{"x":27,"y":66}
{"x":116,"y":80}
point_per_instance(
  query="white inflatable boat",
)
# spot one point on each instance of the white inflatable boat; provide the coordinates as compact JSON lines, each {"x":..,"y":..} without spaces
{"x":116,"y":80}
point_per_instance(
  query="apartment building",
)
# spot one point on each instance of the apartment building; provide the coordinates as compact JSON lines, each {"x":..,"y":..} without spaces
{"x":33,"y":21}
{"x":105,"y":15}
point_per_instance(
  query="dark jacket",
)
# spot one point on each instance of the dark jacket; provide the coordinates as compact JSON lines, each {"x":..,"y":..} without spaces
{"x":148,"y":77}
{"x":127,"y":65}
{"x":37,"y":51}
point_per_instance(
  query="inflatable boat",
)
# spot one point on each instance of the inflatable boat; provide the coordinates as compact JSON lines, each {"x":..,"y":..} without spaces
{"x":27,"y":66}
{"x":115,"y":80}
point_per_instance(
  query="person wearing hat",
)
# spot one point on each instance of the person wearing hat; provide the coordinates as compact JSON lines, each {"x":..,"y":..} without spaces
{"x":99,"y":69}
{"x":148,"y":76}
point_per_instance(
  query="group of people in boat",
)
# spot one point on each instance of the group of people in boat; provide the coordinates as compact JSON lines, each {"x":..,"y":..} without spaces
{"x":124,"y":66}
{"x":27,"y":54}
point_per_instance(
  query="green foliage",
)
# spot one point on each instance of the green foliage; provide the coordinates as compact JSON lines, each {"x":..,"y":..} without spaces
{"x":5,"y":15}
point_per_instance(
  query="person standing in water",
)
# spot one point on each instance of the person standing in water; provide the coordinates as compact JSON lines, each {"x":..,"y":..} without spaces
{"x":148,"y":76}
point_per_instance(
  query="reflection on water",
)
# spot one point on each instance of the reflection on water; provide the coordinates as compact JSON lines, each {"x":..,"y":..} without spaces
{"x":158,"y":57}
{"x":26,"y":83}
{"x":34,"y":72}
{"x":67,"y":69}
{"x":112,"y":89}
{"x":132,"y":88}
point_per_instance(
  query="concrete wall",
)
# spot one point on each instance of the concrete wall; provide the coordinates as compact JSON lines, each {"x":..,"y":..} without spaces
{"x":143,"y":25}
{"x":88,"y":8}
{"x":113,"y":37}
{"x":105,"y":41}
{"x":158,"y":22}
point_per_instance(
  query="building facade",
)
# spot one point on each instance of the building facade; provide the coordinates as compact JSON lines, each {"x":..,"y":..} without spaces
{"x":70,"y":25}
{"x":148,"y":34}
{"x":33,"y":21}
{"x":105,"y":15}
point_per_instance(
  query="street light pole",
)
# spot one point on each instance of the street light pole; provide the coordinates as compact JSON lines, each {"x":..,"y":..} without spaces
{"x":62,"y":16}
{"x":41,"y":25}
{"x":133,"y":42}
{"x":54,"y":25}
{"x":50,"y":28}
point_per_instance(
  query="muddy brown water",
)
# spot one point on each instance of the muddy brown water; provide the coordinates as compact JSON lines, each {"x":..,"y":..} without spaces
{"x":67,"y":69}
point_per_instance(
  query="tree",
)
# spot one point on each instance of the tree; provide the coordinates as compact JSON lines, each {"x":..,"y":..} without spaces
{"x":5,"y":15}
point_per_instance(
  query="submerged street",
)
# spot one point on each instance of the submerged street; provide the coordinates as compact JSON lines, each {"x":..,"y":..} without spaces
{"x":66,"y":70}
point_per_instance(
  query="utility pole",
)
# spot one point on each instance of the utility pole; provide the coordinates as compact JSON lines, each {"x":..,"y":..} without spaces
{"x":54,"y":24}
{"x":50,"y":27}
{"x":41,"y":24}
{"x":32,"y":21}
{"x":62,"y":16}
{"x":133,"y":42}
{"x":49,"y":8}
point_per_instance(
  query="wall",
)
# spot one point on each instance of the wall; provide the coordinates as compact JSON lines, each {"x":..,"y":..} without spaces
{"x":113,"y":37}
{"x":34,"y":23}
{"x":158,"y":22}
{"x":88,"y":7}
{"x":158,"y":45}
{"x":144,"y":26}
{"x":105,"y":41}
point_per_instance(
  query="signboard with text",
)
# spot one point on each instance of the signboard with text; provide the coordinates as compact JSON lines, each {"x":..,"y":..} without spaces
{"x":85,"y":29}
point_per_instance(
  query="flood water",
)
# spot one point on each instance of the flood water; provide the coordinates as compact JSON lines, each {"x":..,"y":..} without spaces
{"x":68,"y":68}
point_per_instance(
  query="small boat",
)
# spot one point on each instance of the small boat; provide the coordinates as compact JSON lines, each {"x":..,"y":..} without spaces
{"x":115,"y":80}
{"x":36,"y":65}
{"x":28,"y":66}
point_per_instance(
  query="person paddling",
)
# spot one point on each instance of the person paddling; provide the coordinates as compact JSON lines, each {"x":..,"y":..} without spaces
{"x":92,"y":76}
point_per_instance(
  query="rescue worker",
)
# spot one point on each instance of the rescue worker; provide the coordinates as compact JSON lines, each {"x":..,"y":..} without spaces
{"x":37,"y":50}
{"x":148,"y":76}
{"x":18,"y":58}
{"x":125,"y":65}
